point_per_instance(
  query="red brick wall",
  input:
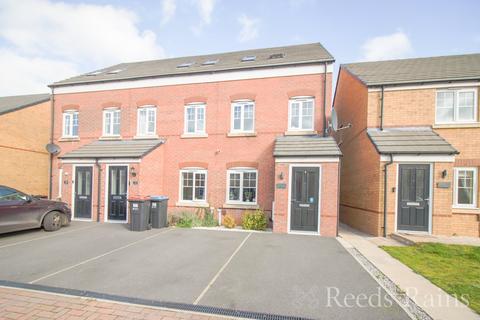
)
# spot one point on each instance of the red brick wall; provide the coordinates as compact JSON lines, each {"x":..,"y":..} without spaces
{"x":158,"y":172}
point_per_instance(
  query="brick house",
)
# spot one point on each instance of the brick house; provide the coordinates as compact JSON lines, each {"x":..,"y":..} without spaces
{"x":25,"y":131}
{"x":412,"y":154}
{"x":225,"y":132}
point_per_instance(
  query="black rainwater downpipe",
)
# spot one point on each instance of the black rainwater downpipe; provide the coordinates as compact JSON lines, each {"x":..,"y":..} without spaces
{"x":99,"y":193}
{"x":50,"y":165}
{"x":325,"y":100}
{"x":381,"y":109}
{"x":385,"y":180}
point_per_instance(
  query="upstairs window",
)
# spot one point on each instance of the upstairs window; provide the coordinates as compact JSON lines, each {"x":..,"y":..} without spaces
{"x":456,"y":106}
{"x":300,"y":115}
{"x":111,"y":122}
{"x":147,"y":121}
{"x":243,"y":116}
{"x":195,"y":119}
{"x":70,"y":124}
{"x":193,"y":185}
{"x":242,"y":186}
{"x":465,"y":188}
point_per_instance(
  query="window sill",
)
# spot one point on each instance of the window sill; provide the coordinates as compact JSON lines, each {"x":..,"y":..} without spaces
{"x":465,"y":210}
{"x":194,"y":135}
{"x":456,"y":125}
{"x":300,"y":132}
{"x":150,"y":137}
{"x":241,"y":134}
{"x":192,"y":204}
{"x":110,"y":138}
{"x":63,"y":139}
{"x":240,"y":206}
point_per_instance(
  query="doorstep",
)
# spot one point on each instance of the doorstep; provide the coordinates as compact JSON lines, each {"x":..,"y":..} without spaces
{"x":418,"y":289}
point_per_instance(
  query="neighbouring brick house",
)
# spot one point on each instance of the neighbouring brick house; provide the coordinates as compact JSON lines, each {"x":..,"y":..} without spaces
{"x":24,"y":133}
{"x":224,"y":132}
{"x":418,"y":118}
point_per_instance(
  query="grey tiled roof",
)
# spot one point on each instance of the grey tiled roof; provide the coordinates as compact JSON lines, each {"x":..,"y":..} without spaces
{"x":13,"y":103}
{"x":305,"y":146}
{"x":418,"y":70}
{"x":292,"y":55}
{"x":114,"y":149}
{"x":409,"y":141}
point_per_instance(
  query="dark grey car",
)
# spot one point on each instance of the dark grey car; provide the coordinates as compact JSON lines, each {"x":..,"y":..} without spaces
{"x":19,"y":211}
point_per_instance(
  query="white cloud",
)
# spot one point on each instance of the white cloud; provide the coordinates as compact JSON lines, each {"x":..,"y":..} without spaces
{"x":69,"y":38}
{"x":249,"y":29}
{"x":205,"y":9}
{"x":392,"y":46}
{"x":168,"y":10}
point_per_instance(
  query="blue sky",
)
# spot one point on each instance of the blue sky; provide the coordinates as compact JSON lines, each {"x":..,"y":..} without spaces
{"x":42,"y":41}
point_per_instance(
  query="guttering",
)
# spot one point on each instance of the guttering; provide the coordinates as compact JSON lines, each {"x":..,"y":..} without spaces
{"x":385,"y":180}
{"x":52,"y":122}
{"x":381,"y":107}
{"x":325,"y":99}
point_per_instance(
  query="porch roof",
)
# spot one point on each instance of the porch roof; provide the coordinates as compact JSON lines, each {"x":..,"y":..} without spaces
{"x":409,"y":141}
{"x":114,"y":149}
{"x":306,"y":146}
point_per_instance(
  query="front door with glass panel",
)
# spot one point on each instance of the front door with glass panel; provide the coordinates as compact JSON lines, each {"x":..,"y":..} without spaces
{"x":304,"y":202}
{"x":413,"y":197}
{"x":83,"y":193}
{"x":117,"y":193}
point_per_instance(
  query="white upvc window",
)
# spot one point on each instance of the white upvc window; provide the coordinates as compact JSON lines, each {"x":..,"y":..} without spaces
{"x":301,"y":114}
{"x":243,"y":116}
{"x":195,"y":118}
{"x":193,"y":185}
{"x":242,"y":186}
{"x":147,"y":121}
{"x":465,"y":188}
{"x":70,"y":124}
{"x":111,"y":122}
{"x":456,"y":106}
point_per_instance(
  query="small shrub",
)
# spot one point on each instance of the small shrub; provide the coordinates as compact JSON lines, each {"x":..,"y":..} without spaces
{"x":254,"y":220}
{"x":228,"y":221}
{"x":208,"y":219}
{"x":188,"y":220}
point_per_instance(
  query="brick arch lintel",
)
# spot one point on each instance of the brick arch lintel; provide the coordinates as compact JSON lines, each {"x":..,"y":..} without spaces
{"x":243,"y":96}
{"x":70,"y":107}
{"x":242,"y":164}
{"x":193,"y":164}
{"x":301,"y":92}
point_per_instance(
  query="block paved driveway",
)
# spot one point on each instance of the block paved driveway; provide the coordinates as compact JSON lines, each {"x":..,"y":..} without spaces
{"x":291,"y":275}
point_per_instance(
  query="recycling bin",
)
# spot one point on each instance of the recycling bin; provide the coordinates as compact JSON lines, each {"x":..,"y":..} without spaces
{"x":158,"y":211}
{"x":140,"y":214}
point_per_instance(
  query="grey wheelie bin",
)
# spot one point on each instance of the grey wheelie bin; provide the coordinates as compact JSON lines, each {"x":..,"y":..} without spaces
{"x":158,"y":211}
{"x":140,"y":214}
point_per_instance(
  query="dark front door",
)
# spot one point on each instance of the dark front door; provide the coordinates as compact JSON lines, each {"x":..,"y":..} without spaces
{"x":413,"y":197}
{"x":117,"y":193}
{"x":83,"y":193}
{"x":304,"y":202}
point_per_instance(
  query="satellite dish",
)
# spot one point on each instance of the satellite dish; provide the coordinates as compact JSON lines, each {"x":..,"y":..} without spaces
{"x":334,"y":119}
{"x":52,"y":148}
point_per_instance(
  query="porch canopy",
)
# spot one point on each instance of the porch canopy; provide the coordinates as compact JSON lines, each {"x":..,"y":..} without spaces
{"x":306,"y":146}
{"x":113,"y":149}
{"x":410,"y":141}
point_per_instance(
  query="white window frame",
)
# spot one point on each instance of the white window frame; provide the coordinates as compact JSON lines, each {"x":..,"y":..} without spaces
{"x":147,"y":134}
{"x":241,"y":171}
{"x":300,"y":99}
{"x":475,"y":187}
{"x":70,"y":113}
{"x":196,"y":107}
{"x":455,"y":105}
{"x":111,"y":111}
{"x":241,"y":103}
{"x":195,"y":171}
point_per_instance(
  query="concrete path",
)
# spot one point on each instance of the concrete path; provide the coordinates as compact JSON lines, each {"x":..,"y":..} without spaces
{"x":433,"y":300}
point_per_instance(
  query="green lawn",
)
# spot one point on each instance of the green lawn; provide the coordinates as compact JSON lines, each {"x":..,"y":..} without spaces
{"x":454,"y":268}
